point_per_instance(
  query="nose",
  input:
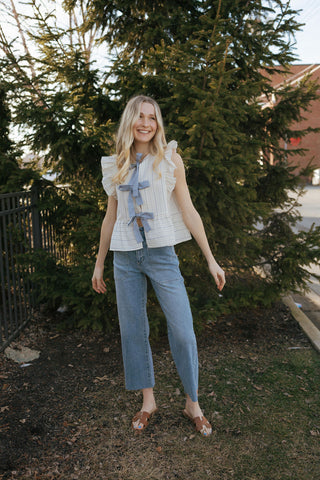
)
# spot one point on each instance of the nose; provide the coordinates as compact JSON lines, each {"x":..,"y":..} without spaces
{"x":145,"y":121}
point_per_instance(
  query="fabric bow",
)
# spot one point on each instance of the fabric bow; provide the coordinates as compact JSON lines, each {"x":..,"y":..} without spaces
{"x":134,"y":188}
{"x":144,"y":217}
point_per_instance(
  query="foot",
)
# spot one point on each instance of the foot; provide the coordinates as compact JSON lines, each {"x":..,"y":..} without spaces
{"x":194,"y":413}
{"x":201,"y":424}
{"x":141,"y":419}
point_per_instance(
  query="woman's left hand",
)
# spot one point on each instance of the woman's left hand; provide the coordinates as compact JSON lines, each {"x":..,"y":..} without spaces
{"x":218,"y":275}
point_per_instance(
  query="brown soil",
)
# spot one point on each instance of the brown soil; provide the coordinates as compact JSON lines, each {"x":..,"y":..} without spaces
{"x":67,"y":415}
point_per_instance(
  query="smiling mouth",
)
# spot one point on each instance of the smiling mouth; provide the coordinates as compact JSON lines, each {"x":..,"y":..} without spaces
{"x":143,"y":131}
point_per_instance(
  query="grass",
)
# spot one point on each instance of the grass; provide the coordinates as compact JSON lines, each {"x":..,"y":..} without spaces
{"x":259,"y":387}
{"x":264,"y":409}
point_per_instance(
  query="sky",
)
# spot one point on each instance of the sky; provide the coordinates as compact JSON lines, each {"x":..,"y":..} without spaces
{"x":308,"y":40}
{"x":307,"y":46}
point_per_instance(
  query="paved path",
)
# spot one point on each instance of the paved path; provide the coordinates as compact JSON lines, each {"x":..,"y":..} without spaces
{"x":310,"y":208}
{"x":306,"y":306}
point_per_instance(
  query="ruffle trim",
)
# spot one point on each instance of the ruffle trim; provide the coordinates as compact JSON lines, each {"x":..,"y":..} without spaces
{"x":109,"y":169}
{"x":169,"y":174}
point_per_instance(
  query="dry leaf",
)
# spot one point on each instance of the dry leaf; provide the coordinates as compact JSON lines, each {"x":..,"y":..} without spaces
{"x":101,"y":379}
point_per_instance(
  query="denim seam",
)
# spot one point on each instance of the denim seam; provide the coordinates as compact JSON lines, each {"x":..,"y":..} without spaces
{"x":146,"y":343}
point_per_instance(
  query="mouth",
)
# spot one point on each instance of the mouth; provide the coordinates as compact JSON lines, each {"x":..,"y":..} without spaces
{"x":144,"y":131}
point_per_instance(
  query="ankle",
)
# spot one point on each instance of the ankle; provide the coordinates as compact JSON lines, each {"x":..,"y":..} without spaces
{"x":149,"y":402}
{"x":193,"y":408}
{"x":149,"y":406}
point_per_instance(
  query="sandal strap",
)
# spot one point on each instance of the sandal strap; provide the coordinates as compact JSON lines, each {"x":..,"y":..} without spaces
{"x":201,"y":422}
{"x":143,"y":418}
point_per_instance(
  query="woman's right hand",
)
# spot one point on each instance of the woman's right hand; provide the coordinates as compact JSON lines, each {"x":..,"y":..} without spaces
{"x":98,"y":284}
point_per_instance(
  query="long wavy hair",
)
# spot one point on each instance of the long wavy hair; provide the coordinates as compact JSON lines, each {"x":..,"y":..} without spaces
{"x":125,"y":140}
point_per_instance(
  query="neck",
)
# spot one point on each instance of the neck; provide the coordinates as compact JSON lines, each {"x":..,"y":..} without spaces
{"x":141,"y":148}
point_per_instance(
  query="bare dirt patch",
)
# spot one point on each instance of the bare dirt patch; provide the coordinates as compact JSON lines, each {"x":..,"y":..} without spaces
{"x":67,"y":415}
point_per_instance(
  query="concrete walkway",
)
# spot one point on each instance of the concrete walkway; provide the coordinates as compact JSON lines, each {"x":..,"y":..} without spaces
{"x":305,"y":307}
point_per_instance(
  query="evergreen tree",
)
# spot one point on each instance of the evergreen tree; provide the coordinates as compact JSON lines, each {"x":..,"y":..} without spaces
{"x":208,"y":63}
{"x":57,"y":97}
{"x":12,"y":177}
{"x":208,"y":71}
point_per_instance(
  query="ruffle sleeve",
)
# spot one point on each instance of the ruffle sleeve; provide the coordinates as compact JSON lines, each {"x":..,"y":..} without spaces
{"x":109,"y":169}
{"x":170,"y":166}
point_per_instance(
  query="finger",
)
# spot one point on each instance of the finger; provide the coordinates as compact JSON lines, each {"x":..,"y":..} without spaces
{"x":221,"y":282}
{"x":102,"y":286}
{"x":101,"y":282}
{"x":96,"y":285}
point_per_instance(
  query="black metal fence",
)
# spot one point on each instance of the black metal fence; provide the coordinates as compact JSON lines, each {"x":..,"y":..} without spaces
{"x":23,"y":227}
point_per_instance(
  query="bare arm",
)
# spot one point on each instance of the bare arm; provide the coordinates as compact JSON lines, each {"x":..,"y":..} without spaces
{"x":98,"y":283}
{"x":193,"y":220}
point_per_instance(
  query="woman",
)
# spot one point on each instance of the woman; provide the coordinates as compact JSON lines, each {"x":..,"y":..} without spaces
{"x":149,"y":211}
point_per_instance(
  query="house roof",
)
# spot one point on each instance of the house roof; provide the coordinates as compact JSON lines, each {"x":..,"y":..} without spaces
{"x":294,"y":75}
{"x":290,"y":76}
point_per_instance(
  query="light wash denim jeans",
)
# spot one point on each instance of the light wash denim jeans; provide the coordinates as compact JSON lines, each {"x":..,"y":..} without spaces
{"x":161,"y":265}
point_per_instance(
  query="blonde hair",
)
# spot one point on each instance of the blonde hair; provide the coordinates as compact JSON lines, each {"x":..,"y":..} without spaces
{"x":125,"y":140}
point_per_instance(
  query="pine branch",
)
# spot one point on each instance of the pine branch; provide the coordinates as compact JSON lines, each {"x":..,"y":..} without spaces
{"x":23,"y":39}
{"x":213,"y":34}
{"x":44,"y":23}
{"x":208,"y":64}
{"x":86,"y":45}
{"x":29,"y":84}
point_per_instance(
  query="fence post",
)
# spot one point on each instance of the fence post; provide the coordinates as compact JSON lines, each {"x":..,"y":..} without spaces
{"x":36,"y":219}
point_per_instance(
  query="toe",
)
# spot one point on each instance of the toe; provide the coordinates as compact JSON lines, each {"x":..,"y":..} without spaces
{"x":137,"y":425}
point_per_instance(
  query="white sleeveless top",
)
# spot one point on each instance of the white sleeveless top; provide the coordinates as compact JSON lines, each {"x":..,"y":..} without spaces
{"x":151,"y":199}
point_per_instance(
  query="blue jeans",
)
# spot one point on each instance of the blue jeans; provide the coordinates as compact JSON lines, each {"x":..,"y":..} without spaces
{"x":161,"y":265}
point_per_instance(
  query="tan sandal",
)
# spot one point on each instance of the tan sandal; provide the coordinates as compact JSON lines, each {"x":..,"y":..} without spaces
{"x":143,"y":418}
{"x":201,"y":424}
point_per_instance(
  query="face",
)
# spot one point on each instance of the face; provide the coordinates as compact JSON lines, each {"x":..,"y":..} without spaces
{"x":144,"y":129}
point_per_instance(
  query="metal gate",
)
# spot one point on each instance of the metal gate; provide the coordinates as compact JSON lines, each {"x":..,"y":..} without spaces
{"x":23,"y":228}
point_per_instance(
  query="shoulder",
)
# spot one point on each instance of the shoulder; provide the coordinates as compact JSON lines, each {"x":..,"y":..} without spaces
{"x":177,"y":160}
{"x":109,"y":165}
{"x":109,"y":170}
{"x":172,"y":156}
{"x":108,"y":161}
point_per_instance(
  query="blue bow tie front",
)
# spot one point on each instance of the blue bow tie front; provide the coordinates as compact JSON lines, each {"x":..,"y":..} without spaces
{"x":134,"y":187}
